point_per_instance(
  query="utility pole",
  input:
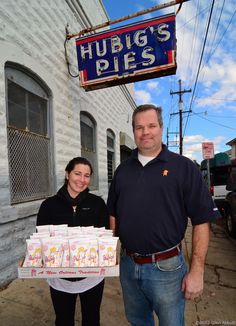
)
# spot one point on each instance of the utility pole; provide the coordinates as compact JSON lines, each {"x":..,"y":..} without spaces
{"x":180,"y":92}
{"x":167,"y":138}
{"x":168,"y":142}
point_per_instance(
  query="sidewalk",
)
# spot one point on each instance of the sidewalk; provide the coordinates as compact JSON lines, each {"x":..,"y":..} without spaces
{"x":218,"y":302}
{"x":27,"y":302}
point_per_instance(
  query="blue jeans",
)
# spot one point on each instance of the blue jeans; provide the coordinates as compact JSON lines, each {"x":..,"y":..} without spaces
{"x":154,"y":287}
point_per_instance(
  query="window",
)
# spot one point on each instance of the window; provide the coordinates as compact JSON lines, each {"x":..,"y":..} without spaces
{"x":219,"y":176}
{"x":28,"y":139}
{"x":88,"y":145}
{"x":110,"y":155}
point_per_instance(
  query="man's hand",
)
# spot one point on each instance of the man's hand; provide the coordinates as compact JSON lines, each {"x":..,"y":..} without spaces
{"x":192,"y":285}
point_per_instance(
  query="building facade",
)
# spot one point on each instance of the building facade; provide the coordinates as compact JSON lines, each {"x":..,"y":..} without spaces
{"x":46,"y":118}
{"x":232,"y":151}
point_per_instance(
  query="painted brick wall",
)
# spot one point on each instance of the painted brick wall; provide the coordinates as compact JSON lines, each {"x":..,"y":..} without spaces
{"x":32,"y":34}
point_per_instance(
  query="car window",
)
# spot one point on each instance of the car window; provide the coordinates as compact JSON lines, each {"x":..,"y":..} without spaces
{"x":219,"y":175}
{"x":231,"y":182}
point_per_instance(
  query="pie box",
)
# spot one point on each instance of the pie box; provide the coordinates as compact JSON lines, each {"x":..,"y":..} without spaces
{"x":67,"y":272}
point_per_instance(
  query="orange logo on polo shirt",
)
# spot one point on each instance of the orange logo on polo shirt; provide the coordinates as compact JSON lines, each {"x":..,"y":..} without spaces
{"x":165,"y":173}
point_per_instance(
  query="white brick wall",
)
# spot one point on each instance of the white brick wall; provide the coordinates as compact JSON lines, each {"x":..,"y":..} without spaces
{"x":32,"y":34}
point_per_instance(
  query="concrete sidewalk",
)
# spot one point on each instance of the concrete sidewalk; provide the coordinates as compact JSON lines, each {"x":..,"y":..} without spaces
{"x":27,"y":302}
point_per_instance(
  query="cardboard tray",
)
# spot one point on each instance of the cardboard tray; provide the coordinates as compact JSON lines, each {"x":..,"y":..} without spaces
{"x":63,"y":272}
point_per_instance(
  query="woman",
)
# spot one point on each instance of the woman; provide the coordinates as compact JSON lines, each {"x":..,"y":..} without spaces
{"x":75,"y":206}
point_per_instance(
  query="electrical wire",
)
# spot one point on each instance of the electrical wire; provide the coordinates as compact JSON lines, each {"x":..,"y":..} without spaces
{"x":220,"y":99}
{"x":202,"y":53}
{"x":216,"y":123}
{"x":193,"y":43}
{"x":193,"y":37}
{"x":223,"y":34}
{"x":221,"y":116}
{"x":67,"y":60}
{"x":200,"y":62}
{"x":199,"y":12}
{"x":216,"y":30}
{"x":212,"y":52}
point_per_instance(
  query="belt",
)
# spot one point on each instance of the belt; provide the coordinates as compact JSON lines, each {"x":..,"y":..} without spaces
{"x":139,"y":259}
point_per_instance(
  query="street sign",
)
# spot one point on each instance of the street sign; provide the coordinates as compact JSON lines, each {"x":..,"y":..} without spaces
{"x":126,"y":54}
{"x":207,"y":150}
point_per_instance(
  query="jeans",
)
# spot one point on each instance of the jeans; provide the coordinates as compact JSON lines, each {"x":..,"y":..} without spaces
{"x":154,"y":287}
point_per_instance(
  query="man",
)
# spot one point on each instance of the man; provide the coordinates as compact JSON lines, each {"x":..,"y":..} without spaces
{"x":150,"y":199}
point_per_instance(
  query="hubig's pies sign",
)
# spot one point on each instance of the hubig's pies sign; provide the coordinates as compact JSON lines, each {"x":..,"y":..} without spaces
{"x":131,"y":53}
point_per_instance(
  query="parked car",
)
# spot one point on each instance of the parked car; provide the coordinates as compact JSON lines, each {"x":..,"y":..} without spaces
{"x":222,"y":187}
{"x":230,"y":204}
{"x":220,"y":168}
{"x":230,"y":213}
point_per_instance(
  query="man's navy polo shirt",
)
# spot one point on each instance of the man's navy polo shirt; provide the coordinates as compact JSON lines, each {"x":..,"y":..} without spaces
{"x":152,"y":203}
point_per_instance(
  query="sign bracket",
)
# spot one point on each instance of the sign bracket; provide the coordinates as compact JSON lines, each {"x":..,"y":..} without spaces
{"x":118,"y":20}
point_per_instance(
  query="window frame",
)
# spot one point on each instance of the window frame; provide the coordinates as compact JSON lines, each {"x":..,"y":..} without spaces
{"x":31,"y":83}
{"x":91,"y":155}
{"x":110,"y":151}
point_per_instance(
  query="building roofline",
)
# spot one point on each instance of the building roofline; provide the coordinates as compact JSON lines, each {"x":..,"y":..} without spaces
{"x":231,"y":142}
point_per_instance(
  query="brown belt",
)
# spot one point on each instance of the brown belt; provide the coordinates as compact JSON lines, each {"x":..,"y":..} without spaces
{"x":139,"y":259}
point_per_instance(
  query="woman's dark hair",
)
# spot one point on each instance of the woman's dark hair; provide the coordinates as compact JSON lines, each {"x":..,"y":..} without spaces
{"x":77,"y":160}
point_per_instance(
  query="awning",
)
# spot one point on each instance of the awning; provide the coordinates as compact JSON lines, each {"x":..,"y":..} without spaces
{"x":220,"y":159}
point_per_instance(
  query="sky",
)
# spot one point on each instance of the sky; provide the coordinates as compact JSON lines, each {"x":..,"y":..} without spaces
{"x":206,"y":64}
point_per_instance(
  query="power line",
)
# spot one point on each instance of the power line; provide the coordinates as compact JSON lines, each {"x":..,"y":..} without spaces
{"x":213,"y":51}
{"x":203,"y":49}
{"x":200,"y":62}
{"x":220,"y":99}
{"x":217,"y":27}
{"x":216,"y":123}
{"x":223,"y":34}
{"x":192,"y":50}
{"x":221,"y":116}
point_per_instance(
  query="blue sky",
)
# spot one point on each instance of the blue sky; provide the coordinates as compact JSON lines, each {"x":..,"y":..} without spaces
{"x":213,"y":103}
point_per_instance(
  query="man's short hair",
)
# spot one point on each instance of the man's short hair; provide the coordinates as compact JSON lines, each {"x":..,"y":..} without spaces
{"x":147,"y":107}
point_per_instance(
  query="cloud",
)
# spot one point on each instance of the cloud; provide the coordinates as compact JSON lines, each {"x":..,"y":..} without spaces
{"x":220,"y":76}
{"x":152,"y":85}
{"x":193,"y":139}
{"x":147,"y":92}
{"x":193,"y":146}
{"x":142,"y":97}
{"x":217,"y":78}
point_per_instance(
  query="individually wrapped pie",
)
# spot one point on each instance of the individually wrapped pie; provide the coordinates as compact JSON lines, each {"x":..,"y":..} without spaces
{"x":33,"y":253}
{"x":92,"y":253}
{"x":107,"y":251}
{"x":78,"y":252}
{"x":52,"y":249}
